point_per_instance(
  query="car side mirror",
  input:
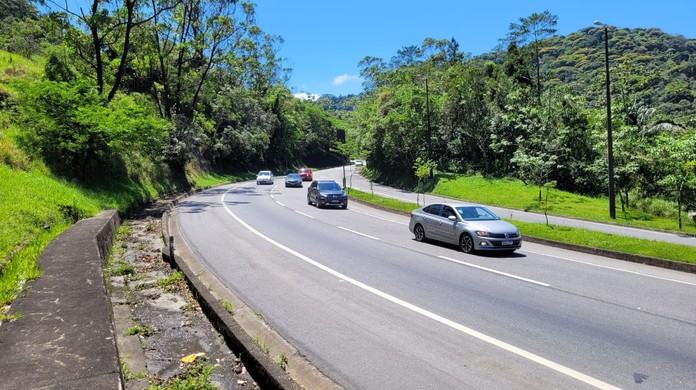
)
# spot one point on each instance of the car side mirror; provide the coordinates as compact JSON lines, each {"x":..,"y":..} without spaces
{"x":452,"y":218}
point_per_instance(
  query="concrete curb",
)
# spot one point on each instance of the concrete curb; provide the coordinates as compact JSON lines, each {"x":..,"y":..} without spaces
{"x":238,"y":326}
{"x":65,"y":335}
{"x":653,"y":261}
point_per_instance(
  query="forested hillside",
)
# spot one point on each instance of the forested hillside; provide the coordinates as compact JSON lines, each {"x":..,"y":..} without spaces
{"x":167,"y":84}
{"x":536,"y":111}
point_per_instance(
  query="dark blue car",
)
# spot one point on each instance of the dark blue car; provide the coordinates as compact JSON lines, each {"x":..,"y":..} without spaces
{"x":324,"y":193}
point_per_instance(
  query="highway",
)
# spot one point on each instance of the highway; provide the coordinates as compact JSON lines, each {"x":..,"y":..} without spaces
{"x":373,"y":309}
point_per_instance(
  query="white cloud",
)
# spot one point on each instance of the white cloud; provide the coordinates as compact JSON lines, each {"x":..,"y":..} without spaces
{"x":307,"y":96}
{"x":346,"y":78}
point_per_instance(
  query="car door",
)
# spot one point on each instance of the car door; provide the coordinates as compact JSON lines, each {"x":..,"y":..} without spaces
{"x":447,"y":228}
{"x":431,"y":215}
{"x":312,"y":192}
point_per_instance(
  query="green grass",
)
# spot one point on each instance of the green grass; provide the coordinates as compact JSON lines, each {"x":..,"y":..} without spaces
{"x":212,"y":179}
{"x":166,"y":283}
{"x":141,"y":330}
{"x":14,"y":66}
{"x":381,"y":201}
{"x":122,"y":269}
{"x":514,"y":194}
{"x":195,"y":377}
{"x":588,"y":238}
{"x":34,"y":208}
{"x":282,"y":361}
{"x":229,"y":307}
{"x":593,"y":239}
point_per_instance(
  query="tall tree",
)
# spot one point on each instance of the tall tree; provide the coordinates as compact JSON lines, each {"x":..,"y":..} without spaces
{"x":530,"y":31}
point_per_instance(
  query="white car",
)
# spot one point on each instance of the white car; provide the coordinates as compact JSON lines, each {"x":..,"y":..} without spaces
{"x":264,"y":177}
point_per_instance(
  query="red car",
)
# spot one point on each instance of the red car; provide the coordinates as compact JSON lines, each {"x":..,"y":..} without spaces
{"x":305,"y":174}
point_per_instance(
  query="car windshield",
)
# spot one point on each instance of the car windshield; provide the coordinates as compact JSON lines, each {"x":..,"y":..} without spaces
{"x":264,"y":173}
{"x":476,"y":213}
{"x":293,"y":176}
{"x":330,"y":186}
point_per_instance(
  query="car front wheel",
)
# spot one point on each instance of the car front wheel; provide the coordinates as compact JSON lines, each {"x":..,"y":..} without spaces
{"x":419,"y":232}
{"x":466,"y":243}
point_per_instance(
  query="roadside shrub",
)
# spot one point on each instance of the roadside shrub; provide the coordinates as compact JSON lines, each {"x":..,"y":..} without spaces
{"x":81,"y":135}
{"x":657,"y":207}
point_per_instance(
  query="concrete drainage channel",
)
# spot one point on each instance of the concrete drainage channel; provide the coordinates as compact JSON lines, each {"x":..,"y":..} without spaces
{"x":271,"y":360}
{"x":157,"y":321}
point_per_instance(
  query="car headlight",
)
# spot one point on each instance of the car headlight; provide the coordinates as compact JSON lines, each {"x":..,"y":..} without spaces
{"x":482,"y":233}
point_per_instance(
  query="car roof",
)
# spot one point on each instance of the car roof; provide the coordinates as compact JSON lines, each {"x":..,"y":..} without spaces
{"x":456,"y":204}
{"x":265,"y":172}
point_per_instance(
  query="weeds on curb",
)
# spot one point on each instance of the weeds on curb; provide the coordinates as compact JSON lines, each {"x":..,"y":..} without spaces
{"x":262,"y":344}
{"x":282,"y":361}
{"x":229,"y":307}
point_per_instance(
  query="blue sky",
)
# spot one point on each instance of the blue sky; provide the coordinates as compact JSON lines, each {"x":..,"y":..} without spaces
{"x":325,"y":39}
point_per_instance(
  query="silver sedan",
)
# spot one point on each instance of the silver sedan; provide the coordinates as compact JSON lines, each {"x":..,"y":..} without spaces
{"x":473,"y":227}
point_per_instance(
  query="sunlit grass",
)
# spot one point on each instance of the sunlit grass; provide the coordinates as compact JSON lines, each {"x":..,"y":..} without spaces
{"x":594,"y":239}
{"x":584,"y":237}
{"x":381,"y":201}
{"x":514,"y":194}
{"x":35,"y":207}
{"x":14,"y":67}
{"x":212,"y":179}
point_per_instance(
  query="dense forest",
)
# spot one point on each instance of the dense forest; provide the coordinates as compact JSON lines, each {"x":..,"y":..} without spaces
{"x":130,"y":87}
{"x":536,"y":110}
{"x":133,"y":86}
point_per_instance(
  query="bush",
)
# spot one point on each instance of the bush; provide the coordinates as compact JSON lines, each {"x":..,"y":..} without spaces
{"x":79,"y":134}
{"x":657,"y":207}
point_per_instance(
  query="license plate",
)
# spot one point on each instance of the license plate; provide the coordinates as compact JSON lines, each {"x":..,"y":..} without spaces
{"x":507,"y":243}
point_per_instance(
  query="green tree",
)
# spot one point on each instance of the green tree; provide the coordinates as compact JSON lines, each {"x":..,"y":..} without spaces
{"x":530,"y":32}
{"x":681,"y":167}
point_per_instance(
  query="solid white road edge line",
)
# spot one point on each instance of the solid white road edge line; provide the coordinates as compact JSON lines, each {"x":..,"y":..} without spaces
{"x":612,"y":268}
{"x":358,"y":233}
{"x":494,"y":271}
{"x":454,"y":325}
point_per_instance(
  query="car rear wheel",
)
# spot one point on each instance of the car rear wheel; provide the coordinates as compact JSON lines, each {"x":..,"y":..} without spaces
{"x":419,"y":232}
{"x":466,"y":243}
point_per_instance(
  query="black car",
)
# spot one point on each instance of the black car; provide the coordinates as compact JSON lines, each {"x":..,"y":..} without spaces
{"x":326,"y":193}
{"x":293,"y":180}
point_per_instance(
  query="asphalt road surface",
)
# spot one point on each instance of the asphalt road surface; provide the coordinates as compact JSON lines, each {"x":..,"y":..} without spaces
{"x":374,"y":309}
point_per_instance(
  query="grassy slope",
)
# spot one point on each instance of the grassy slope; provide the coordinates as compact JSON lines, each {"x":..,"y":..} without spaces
{"x":515,"y":194}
